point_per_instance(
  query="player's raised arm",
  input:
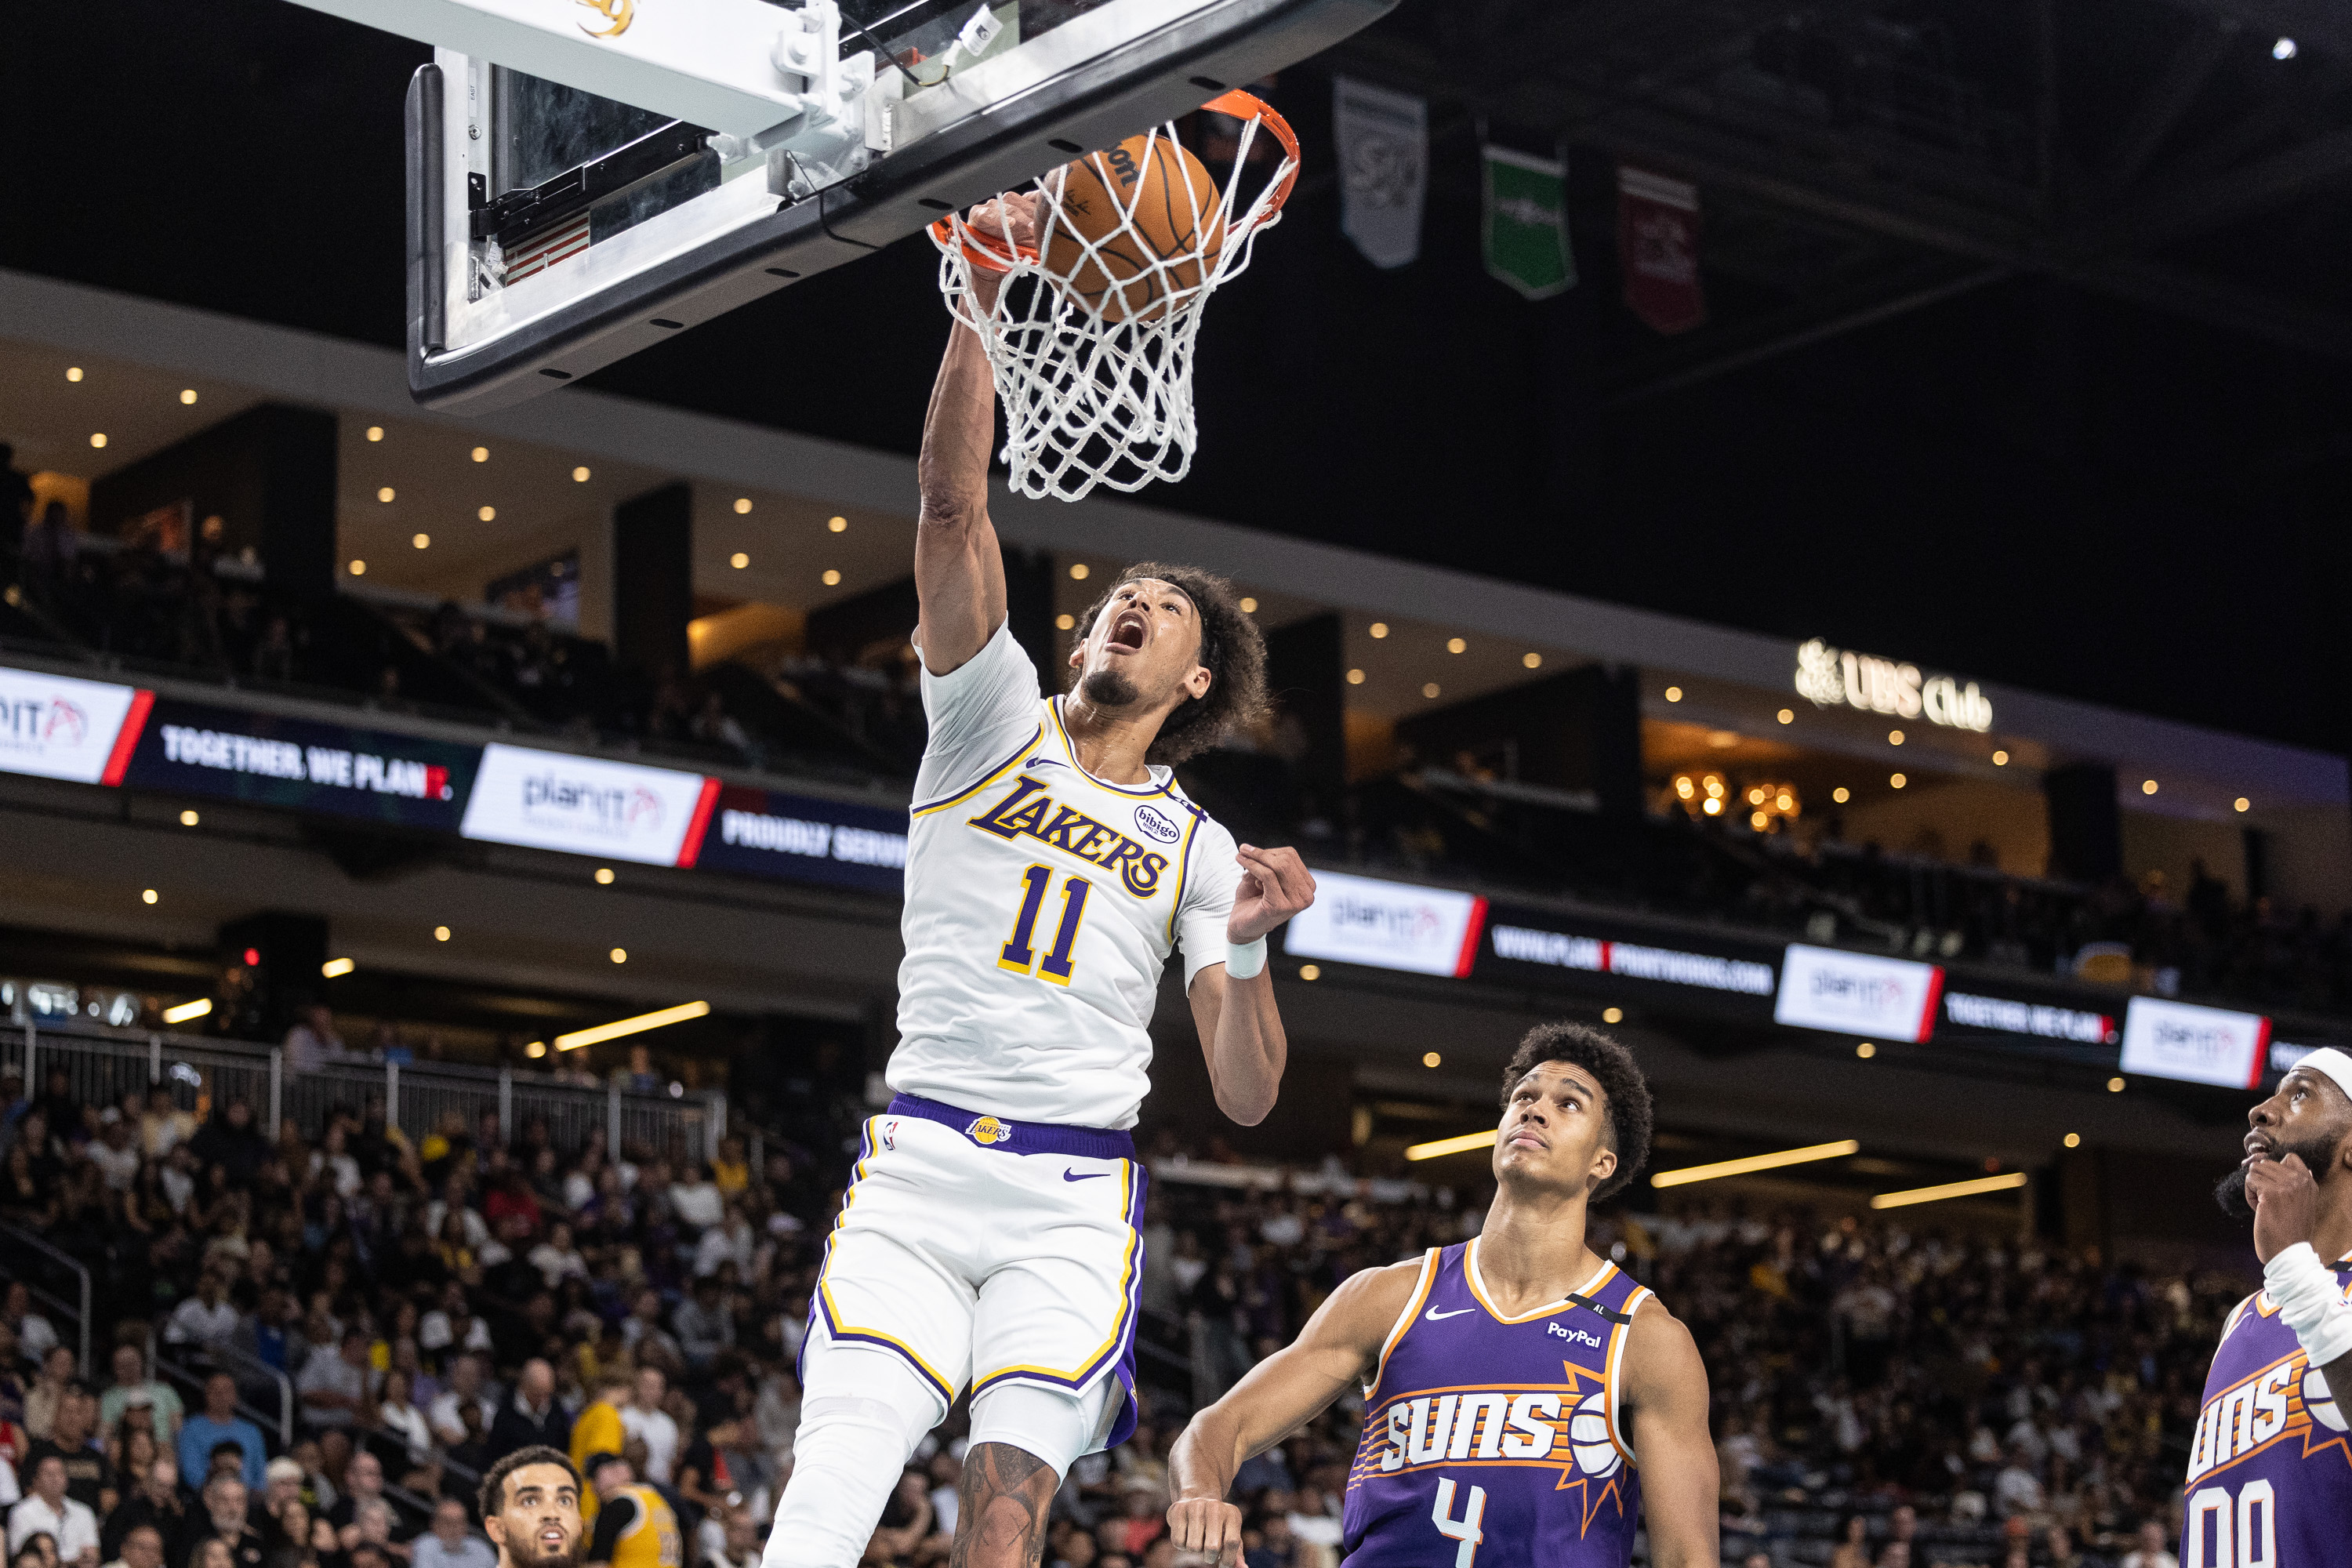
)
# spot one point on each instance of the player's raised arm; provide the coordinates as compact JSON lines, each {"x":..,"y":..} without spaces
{"x":1665,"y":1394}
{"x":1340,"y":1342}
{"x":958,"y":574}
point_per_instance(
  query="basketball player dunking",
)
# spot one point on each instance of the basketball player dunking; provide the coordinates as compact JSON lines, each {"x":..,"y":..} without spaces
{"x":2270,"y":1470}
{"x":1524,"y":1400}
{"x":989,"y":1239}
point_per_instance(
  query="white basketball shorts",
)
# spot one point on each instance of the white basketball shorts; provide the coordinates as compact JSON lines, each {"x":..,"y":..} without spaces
{"x":985,"y":1251}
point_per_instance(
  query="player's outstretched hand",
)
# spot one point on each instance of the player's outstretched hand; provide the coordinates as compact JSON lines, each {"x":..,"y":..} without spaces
{"x":1012,"y":216}
{"x":1209,"y":1526}
{"x":2287,"y":1203}
{"x":1276,"y":885}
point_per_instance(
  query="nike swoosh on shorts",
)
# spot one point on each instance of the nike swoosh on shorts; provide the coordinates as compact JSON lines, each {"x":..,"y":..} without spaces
{"x":1089,"y":1176}
{"x":1435,"y":1316}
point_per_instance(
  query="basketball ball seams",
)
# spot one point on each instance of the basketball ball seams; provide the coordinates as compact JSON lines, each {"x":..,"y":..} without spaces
{"x":1127,"y":231}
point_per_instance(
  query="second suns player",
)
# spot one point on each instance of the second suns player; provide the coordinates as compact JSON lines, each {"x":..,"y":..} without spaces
{"x":990,"y":1237}
{"x":1527,"y":1405}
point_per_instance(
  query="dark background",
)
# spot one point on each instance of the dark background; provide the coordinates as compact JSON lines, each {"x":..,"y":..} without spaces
{"x":2035,"y":480}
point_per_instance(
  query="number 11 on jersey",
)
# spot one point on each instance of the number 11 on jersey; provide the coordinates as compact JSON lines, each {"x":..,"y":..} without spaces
{"x":1017,"y":955}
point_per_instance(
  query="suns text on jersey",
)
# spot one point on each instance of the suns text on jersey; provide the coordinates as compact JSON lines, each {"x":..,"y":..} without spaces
{"x":1031,"y":810}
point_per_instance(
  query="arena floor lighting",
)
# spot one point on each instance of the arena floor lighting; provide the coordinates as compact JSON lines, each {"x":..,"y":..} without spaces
{"x":2008,"y":1183}
{"x":187,"y":1010}
{"x":636,"y":1025}
{"x":1741,"y":1167}
{"x":1462,"y":1145}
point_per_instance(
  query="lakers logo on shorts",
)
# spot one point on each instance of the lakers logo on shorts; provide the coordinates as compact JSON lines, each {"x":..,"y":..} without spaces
{"x":989,"y":1130}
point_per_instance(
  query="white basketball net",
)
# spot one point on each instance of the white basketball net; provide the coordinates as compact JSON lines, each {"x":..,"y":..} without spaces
{"x":1092,"y":394}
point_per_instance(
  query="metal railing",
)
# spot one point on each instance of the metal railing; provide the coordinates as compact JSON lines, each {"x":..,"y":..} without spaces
{"x":204,"y":1074}
{"x":242,"y":1368}
{"x":12,"y":1237}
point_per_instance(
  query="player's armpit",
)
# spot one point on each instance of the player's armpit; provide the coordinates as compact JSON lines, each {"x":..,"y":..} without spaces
{"x":1340,"y":1345}
{"x":1665,"y":1401}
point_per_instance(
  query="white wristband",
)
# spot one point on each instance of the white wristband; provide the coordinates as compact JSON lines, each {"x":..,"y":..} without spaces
{"x":1243,"y":961}
{"x":2311,"y":1302}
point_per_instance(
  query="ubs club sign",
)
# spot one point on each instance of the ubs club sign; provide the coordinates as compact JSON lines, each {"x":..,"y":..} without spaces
{"x":1829,"y":678}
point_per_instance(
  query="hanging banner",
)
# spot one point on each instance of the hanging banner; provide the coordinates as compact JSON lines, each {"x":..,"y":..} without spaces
{"x":1383,"y":140}
{"x":1657,"y":249}
{"x":1524,"y":231}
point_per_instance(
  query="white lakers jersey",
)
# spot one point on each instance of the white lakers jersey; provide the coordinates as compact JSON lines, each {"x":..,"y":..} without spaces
{"x":1042,"y":904}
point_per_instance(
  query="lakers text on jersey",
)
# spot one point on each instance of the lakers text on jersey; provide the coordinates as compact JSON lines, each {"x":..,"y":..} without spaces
{"x":1042,"y":905}
{"x":2270,"y":1470}
{"x":1493,"y":1441}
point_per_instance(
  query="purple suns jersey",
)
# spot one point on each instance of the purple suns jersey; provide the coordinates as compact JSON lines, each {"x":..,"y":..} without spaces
{"x":1492,"y":1441}
{"x":2270,"y":1471}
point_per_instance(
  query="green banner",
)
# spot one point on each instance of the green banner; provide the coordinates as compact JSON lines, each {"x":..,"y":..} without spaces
{"x":1525,"y":226}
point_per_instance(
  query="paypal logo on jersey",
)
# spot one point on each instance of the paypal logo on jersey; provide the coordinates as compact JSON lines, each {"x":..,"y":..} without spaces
{"x":1577,"y":1335}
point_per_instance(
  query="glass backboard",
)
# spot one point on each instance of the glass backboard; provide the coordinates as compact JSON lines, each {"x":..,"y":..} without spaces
{"x":554,"y":231}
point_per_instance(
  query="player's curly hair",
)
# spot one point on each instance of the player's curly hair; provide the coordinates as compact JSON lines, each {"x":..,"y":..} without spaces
{"x":1620,"y":1076}
{"x":493,"y":1496}
{"x":1232,"y":649}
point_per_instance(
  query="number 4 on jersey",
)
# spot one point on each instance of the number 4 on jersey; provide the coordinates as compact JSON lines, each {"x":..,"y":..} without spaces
{"x":1017,"y":955}
{"x":1464,"y":1530}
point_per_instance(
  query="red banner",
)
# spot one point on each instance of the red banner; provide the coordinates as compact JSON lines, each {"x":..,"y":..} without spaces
{"x":1657,"y":249}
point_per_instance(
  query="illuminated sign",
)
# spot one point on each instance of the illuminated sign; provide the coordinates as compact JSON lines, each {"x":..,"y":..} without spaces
{"x":269,"y":759}
{"x":586,"y":806}
{"x":1669,"y":966}
{"x":55,"y":727}
{"x":1388,"y":925}
{"x":1855,"y":993}
{"x":2195,"y":1045}
{"x":765,"y":834}
{"x":1831,"y":677}
{"x":2009,"y":1017}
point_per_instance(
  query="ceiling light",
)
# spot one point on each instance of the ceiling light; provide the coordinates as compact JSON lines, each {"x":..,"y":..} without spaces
{"x":1077,"y":570}
{"x":1249,"y":605}
{"x":1612,"y":1014}
{"x":147,"y":895}
{"x":836,"y":525}
{"x":620,"y":955}
{"x":421,"y":541}
{"x":2000,"y":758}
{"x":2242,"y":804}
{"x":1454,"y":644}
{"x":440,"y":933}
{"x":1430,"y":689}
{"x":1355,"y":678}
{"x":604,"y":876}
{"x":358,"y":568}
{"x":1431,"y":1058}
{"x":738,"y":560}
{"x":1532,"y":661}
{"x":1840,"y":795}
{"x":2148,"y":786}
{"x":98,"y":439}
{"x":2283,"y":49}
{"x":2073,"y":1140}
{"x":2008,"y":1183}
{"x":336,"y":968}
{"x":375,"y":432}
{"x":73,"y":373}
{"x":636,"y":1025}
{"x":832,"y":578}
{"x":487,"y":514}
{"x":385,"y":494}
{"x":187,"y":1010}
{"x":742,"y":505}
{"x":1893,"y":737}
{"x":187,"y":394}
{"x":1310,"y":971}
{"x":536,"y":1050}
{"x":1378,"y":629}
{"x":1759,"y":820}
{"x":1865,"y":1050}
{"x":2115,"y":1086}
{"x":1673,"y":694}
{"x":189,"y":819}
{"x":1712,"y":806}
{"x":1689,"y":1173}
{"x":481,"y":453}
{"x":580,"y":476}
{"x":1786,"y":717}
{"x":1897,"y":781}
{"x":1066,"y":623}
{"x":1436,"y":1148}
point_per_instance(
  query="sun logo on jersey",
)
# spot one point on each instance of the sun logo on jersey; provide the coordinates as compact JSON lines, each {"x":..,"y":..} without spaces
{"x":989,"y":1130}
{"x":1565,"y":1425}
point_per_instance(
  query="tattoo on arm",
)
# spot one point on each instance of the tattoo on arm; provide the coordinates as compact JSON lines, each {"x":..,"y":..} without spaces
{"x":1003,"y":1500}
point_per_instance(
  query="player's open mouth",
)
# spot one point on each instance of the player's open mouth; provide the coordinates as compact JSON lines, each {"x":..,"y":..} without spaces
{"x":1127,"y":632}
{"x":552,"y":1537}
{"x":2256,"y":1143}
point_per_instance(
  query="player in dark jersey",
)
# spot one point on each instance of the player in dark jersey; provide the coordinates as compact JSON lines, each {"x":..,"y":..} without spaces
{"x":2270,"y":1470}
{"x":1526,"y":1402}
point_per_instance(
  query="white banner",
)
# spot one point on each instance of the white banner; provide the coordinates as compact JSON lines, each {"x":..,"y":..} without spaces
{"x":1383,"y":140}
{"x":1388,"y":925}
{"x":2195,"y":1045}
{"x":55,"y":727}
{"x":583,"y":805}
{"x":1853,"y":993}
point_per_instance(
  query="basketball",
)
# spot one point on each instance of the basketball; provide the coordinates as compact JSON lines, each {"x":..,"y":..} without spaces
{"x":1132,"y":226}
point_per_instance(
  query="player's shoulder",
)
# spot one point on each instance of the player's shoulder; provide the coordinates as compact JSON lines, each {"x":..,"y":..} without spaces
{"x":1368,"y":1304}
{"x":1657,"y":1342}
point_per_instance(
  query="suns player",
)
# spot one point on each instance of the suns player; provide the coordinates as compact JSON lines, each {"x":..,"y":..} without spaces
{"x":989,"y":1240}
{"x":2270,"y":1470}
{"x":1525,"y":1401}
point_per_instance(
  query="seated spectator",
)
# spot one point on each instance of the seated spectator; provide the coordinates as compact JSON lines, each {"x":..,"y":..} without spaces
{"x":465,"y":1390}
{"x":48,"y":1394}
{"x":371,"y":1525}
{"x":334,"y":1388}
{"x":531,"y":1418}
{"x":204,"y":1320}
{"x":704,"y":1326}
{"x":396,"y":1413}
{"x":90,"y":1479}
{"x":2147,"y":1549}
{"x":223,"y":1502}
{"x":218,"y":1422}
{"x":46,"y":1509}
{"x":131,"y":1381}
{"x":153,"y":1503}
{"x":452,"y":1542}
{"x":142,"y":1547}
{"x":645,"y":1420}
